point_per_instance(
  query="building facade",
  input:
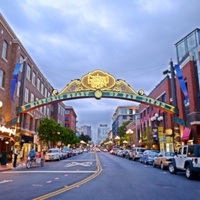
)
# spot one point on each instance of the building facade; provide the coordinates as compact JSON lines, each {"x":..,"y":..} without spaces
{"x":70,"y":118}
{"x":21,"y":82}
{"x":158,"y":127}
{"x":123,"y":114}
{"x":102,"y":133}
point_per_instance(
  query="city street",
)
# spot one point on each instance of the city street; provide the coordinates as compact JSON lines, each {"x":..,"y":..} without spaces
{"x":81,"y":177}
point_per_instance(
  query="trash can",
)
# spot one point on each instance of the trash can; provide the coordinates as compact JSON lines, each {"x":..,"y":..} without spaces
{"x":4,"y":158}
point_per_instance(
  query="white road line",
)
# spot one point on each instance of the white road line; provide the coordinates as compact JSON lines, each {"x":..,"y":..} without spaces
{"x":46,"y":172}
{"x":5,"y":181}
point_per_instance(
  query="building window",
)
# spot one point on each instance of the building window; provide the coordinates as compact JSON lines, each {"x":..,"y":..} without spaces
{"x":18,"y":88}
{"x":2,"y":78}
{"x":5,"y":50}
{"x":181,"y":50}
{"x":124,"y":116}
{"x":32,"y":97}
{"x":130,"y":111}
{"x":45,"y":92}
{"x":38,"y":84}
{"x":26,"y":95}
{"x":163,"y":98}
{"x":67,"y":119}
{"x":42,"y":88}
{"x":123,"y":111}
{"x":21,"y":60}
{"x":33,"y":78}
{"x":47,"y":112}
{"x":67,"y":111}
{"x":28,"y":72}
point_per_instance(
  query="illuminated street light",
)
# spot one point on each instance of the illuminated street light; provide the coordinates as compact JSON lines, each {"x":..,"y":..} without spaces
{"x":117,"y":138}
{"x":156,"y":118}
{"x":129,"y":132}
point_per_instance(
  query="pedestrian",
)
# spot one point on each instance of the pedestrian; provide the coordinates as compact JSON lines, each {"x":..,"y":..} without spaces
{"x":15,"y":156}
{"x":32,"y":153}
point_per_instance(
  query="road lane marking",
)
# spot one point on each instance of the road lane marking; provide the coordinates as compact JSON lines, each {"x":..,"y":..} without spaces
{"x":5,"y":181}
{"x":32,"y":172}
{"x":67,"y":188}
{"x":72,"y":164}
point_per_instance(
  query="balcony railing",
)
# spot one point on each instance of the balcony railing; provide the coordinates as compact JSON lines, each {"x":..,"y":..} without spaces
{"x":194,"y":118}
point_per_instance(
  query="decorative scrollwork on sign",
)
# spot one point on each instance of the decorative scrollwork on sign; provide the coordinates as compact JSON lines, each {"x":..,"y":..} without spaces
{"x":98,"y":80}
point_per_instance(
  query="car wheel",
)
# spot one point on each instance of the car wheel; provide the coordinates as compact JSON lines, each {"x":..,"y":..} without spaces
{"x":189,"y":173}
{"x":172,"y":169}
{"x":154,"y":165}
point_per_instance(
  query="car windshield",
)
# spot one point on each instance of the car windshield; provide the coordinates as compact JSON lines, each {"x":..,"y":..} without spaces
{"x":141,"y":150}
{"x":53,"y":151}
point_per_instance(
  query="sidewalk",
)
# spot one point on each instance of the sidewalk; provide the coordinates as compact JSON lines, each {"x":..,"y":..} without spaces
{"x":9,"y":166}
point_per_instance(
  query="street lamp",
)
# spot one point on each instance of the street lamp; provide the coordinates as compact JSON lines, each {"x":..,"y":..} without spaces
{"x":117,"y":138}
{"x":156,"y":118}
{"x":129,"y":132}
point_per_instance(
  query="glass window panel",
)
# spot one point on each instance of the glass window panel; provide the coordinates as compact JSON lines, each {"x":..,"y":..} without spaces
{"x":28,"y":73}
{"x":2,"y":77}
{"x":181,"y":50}
{"x":191,"y":41}
{"x":4,"y":50}
{"x":33,"y":78}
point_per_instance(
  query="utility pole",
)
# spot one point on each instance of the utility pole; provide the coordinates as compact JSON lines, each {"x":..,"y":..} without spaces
{"x":176,"y":130}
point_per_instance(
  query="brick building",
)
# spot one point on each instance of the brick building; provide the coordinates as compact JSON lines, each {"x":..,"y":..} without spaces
{"x":70,"y":118}
{"x":27,"y":84}
{"x":188,"y":119}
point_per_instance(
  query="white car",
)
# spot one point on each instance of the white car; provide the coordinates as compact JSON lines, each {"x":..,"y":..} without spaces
{"x":53,"y":154}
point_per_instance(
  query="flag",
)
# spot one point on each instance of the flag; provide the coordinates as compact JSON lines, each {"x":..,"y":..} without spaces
{"x":14,"y":80}
{"x":182,"y":82}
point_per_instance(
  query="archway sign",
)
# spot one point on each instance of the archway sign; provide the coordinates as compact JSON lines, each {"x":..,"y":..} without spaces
{"x":98,"y":84}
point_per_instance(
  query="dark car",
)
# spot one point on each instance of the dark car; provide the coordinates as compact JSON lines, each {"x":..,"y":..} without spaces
{"x":148,"y":156}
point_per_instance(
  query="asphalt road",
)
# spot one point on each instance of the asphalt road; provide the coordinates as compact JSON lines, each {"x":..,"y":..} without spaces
{"x":84,"y":177}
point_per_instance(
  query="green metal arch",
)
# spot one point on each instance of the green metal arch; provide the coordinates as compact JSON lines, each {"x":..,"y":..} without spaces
{"x":103,"y":94}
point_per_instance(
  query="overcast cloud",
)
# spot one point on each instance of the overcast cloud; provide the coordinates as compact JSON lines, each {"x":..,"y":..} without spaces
{"x":132,"y":40}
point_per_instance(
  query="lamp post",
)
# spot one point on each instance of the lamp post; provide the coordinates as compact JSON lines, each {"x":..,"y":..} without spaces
{"x":157,"y":119}
{"x":176,"y":129}
{"x":129,"y":132}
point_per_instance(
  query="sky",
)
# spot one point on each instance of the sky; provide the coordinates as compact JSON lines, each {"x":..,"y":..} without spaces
{"x":132,"y":40}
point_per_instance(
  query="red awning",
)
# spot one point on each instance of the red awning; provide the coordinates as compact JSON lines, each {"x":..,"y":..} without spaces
{"x":186,"y":134}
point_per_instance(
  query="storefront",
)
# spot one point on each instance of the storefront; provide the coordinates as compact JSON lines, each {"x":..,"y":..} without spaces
{"x":6,"y":144}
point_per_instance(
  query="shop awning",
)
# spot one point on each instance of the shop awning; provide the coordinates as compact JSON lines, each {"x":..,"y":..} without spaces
{"x":186,"y":134}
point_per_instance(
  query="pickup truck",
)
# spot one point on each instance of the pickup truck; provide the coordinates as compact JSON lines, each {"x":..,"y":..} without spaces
{"x":186,"y":159}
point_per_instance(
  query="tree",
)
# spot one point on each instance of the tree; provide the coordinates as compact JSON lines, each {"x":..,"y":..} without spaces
{"x":85,"y":138}
{"x":51,"y":131}
{"x":121,"y":132}
{"x":47,"y":130}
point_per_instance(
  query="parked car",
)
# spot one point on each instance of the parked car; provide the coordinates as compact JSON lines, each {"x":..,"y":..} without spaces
{"x":68,"y":151}
{"x":163,"y":159}
{"x":53,"y":154}
{"x":147,"y":157}
{"x":136,"y":152}
{"x":186,"y":159}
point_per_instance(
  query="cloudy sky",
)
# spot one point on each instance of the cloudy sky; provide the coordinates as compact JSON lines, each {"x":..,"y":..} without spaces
{"x":132,"y":40}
